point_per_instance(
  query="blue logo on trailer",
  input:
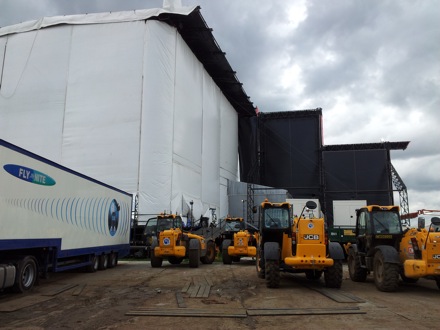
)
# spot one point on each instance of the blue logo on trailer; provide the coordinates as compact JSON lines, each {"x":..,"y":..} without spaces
{"x":29,"y":175}
{"x":113,"y":217}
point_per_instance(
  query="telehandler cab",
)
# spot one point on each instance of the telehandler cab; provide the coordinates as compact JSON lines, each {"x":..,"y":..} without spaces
{"x":172,"y":243}
{"x":298,"y":247}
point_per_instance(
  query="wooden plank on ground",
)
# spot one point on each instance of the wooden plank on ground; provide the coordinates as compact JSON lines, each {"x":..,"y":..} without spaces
{"x":195,"y":291}
{"x":206,"y":291}
{"x":338,"y":295}
{"x":186,"y":286}
{"x":209,"y":281}
{"x":59,"y":289}
{"x":180,"y":301}
{"x":22,"y":302}
{"x":302,"y":311}
{"x":226,"y":313}
{"x":78,"y":290}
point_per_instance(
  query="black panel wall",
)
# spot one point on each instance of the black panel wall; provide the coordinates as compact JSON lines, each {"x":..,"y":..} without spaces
{"x":290,"y":157}
{"x":356,"y":174}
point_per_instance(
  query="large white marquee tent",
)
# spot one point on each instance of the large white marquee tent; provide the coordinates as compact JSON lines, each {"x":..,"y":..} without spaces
{"x":122,"y":98}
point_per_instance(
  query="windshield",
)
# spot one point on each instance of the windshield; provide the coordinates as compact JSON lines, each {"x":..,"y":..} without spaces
{"x":276,"y":218}
{"x":386,"y":223}
{"x":234,"y":225}
{"x":168,"y":223}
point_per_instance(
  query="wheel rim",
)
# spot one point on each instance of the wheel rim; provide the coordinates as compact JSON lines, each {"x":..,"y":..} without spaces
{"x":28,"y":275}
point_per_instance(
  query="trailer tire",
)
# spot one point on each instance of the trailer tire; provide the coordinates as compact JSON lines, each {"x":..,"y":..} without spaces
{"x":94,"y":263}
{"x":333,"y":275}
{"x":26,"y":275}
{"x":209,"y":257}
{"x":386,"y":274}
{"x":194,"y":253}
{"x":103,"y":262}
{"x":227,"y":260}
{"x":356,"y":272}
{"x":112,"y":260}
{"x":272,"y":273}
{"x":437,"y":280}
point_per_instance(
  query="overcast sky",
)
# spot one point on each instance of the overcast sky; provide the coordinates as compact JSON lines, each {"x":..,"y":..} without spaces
{"x":372,"y":66}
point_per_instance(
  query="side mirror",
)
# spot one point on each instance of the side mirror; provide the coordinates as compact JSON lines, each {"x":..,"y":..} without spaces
{"x":311,"y":205}
{"x":421,"y":222}
{"x":435,"y":221}
{"x":254,"y":209}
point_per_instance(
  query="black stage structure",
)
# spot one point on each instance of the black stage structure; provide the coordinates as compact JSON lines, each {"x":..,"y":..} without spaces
{"x":285,"y":150}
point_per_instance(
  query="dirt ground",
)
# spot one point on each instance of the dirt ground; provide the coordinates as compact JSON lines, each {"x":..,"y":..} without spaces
{"x":135,"y":296}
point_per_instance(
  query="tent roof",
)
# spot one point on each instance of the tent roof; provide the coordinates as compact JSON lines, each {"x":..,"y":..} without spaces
{"x":192,"y":27}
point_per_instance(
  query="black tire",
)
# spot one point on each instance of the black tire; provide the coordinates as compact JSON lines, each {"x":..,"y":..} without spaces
{"x":94,"y":263}
{"x":313,"y":275}
{"x":333,"y":275}
{"x":155,"y":262}
{"x":386,"y":275}
{"x":272,"y":273}
{"x":103,"y":262}
{"x":356,"y":272}
{"x":261,"y":273}
{"x":175,"y":260}
{"x":194,"y":253}
{"x":437,"y":280}
{"x":227,"y":259}
{"x":209,"y":257}
{"x":236,"y":259}
{"x":26,"y":275}
{"x":112,"y":260}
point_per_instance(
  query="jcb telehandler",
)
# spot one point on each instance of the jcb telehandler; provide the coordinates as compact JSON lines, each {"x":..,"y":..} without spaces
{"x":382,"y":247}
{"x":172,"y":243}
{"x":298,"y":247}
{"x":238,"y":240}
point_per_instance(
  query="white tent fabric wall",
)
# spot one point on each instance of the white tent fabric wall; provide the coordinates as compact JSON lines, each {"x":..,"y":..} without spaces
{"x":126,"y":103}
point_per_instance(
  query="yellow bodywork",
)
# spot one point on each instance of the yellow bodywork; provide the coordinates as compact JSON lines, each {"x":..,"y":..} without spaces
{"x":241,"y":245}
{"x":172,"y":243}
{"x":311,"y":246}
{"x":426,"y":262}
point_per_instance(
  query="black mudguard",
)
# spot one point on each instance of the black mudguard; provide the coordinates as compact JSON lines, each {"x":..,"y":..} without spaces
{"x":335,"y":251}
{"x":390,"y":254}
{"x":271,"y":251}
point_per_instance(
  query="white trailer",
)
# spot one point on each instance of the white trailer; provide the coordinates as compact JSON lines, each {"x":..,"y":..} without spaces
{"x":344,"y":220}
{"x":54,"y":219}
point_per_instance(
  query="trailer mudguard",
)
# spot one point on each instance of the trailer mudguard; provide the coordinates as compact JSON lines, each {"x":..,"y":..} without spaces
{"x":390,"y":254}
{"x":335,"y":251}
{"x":271,"y":251}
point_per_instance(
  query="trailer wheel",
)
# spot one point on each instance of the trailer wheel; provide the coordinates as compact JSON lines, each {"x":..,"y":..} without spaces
{"x":272,"y":273}
{"x":94,"y":263}
{"x":333,"y":275}
{"x":194,"y":253}
{"x":112,"y":260}
{"x":260,"y":264}
{"x":437,"y":280}
{"x":209,"y":257}
{"x":103,"y":262}
{"x":227,"y":260}
{"x":386,"y":275}
{"x":26,"y":275}
{"x":356,"y":272}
